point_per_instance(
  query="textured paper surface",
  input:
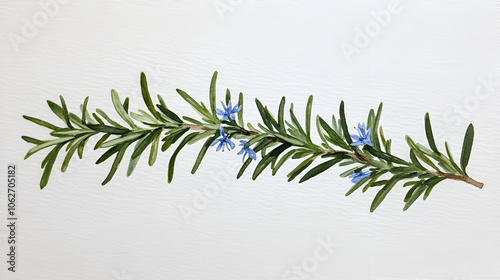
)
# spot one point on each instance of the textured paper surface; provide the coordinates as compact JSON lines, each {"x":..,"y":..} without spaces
{"x":430,"y":57}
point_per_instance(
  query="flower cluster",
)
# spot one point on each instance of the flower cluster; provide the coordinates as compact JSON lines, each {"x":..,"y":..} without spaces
{"x":224,"y":142}
{"x":364,"y":136}
{"x":227,"y":112}
{"x":358,"y":176}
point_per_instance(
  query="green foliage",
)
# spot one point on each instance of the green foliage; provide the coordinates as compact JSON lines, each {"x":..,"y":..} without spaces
{"x":277,"y":139}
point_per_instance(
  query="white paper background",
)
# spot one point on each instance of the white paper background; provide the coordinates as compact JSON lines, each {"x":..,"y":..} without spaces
{"x":430,"y":57}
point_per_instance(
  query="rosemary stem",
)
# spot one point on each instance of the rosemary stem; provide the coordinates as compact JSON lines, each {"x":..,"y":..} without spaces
{"x":465,"y":179}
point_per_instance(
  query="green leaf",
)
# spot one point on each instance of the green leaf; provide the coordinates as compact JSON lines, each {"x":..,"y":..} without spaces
{"x":282,"y":160}
{"x":144,"y":142}
{"x":131,"y":137}
{"x":47,"y":144}
{"x":387,"y":188}
{"x":56,"y":109}
{"x":452,"y":161}
{"x":84,"y":110}
{"x":410,"y":192}
{"x":308,"y":116}
{"x":71,"y":152}
{"x":334,"y":137}
{"x":281,"y":116}
{"x":375,"y":130}
{"x":213,"y":95}
{"x":42,"y":123}
{"x":50,"y":160}
{"x":186,"y":118}
{"x":301,"y":167}
{"x":171,"y":115}
{"x":106,"y":117}
{"x":300,"y":153}
{"x":430,"y":136}
{"x":202,"y":153}
{"x":203,"y":135}
{"x":120,"y":110}
{"x":82,"y":144}
{"x":126,"y":104}
{"x":244,"y":167}
{"x":173,"y":137}
{"x":374,"y":177}
{"x":371,"y":119}
{"x":343,"y":124}
{"x":32,"y":140}
{"x":357,"y":186}
{"x":263,"y":114}
{"x":415,"y":161}
{"x":107,"y":129}
{"x":132,"y":164}
{"x":153,"y":154}
{"x":176,"y":152}
{"x":430,"y":185}
{"x":145,"y":118}
{"x":379,"y":183}
{"x":387,"y":146}
{"x":113,"y":150}
{"x":417,"y":152}
{"x":264,"y":142}
{"x":69,"y":132}
{"x":410,"y":183}
{"x":162,"y":102}
{"x":382,"y":137}
{"x":384,"y":156}
{"x":65,"y":112}
{"x":101,"y":140}
{"x":228,"y":96}
{"x":76,"y":120}
{"x":96,"y":117}
{"x":289,"y":139}
{"x":119,"y":156}
{"x":320,"y":168}
{"x":467,"y":147}
{"x":266,"y":160}
{"x":351,"y":170}
{"x":443,"y":161}
{"x":147,"y":97}
{"x":202,"y":111}
{"x":296,"y":123}
{"x":240,"y":112}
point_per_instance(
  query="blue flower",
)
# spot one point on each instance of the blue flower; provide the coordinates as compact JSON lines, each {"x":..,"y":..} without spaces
{"x":247,"y":151}
{"x":358,"y":176}
{"x":228,"y":112}
{"x":363,"y":137}
{"x":224,"y":142}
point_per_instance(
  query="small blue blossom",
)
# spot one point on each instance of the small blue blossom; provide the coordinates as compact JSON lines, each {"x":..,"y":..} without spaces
{"x":246,"y":151}
{"x":224,"y":142}
{"x":364,"y":136}
{"x":228,"y":112}
{"x":358,"y":176}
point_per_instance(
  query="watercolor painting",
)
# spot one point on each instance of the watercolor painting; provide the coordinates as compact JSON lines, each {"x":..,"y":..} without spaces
{"x":367,"y":153}
{"x":250,"y":140}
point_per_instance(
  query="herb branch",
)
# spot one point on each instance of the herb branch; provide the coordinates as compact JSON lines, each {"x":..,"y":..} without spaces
{"x":277,"y":139}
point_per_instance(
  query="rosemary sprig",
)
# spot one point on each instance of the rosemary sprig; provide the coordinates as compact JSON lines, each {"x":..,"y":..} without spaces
{"x":276,"y":139}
